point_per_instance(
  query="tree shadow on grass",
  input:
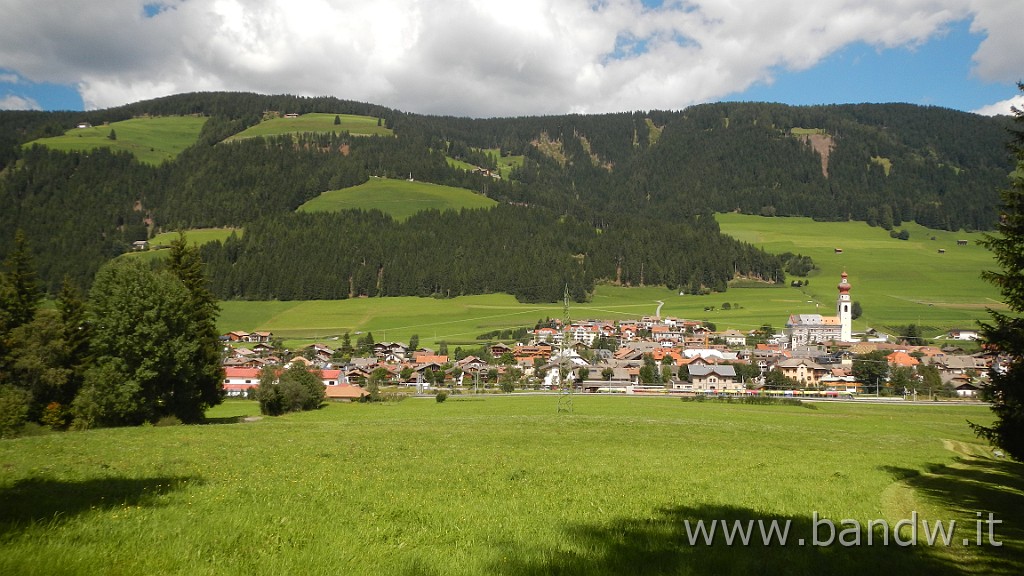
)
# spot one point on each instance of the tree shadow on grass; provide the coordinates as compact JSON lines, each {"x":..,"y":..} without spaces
{"x":42,"y":500}
{"x":662,"y":544}
{"x":972,"y":485}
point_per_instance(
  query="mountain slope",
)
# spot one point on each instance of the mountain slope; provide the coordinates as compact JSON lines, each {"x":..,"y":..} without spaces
{"x":623,"y":197}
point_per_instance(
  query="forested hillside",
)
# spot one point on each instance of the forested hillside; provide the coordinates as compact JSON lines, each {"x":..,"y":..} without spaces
{"x":625,"y":197}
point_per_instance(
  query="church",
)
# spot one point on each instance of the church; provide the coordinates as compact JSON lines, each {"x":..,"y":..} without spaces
{"x":808,"y":329}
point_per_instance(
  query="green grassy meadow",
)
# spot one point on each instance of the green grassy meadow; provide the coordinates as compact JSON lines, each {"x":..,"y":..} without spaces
{"x":315,"y":123}
{"x":507,"y":485}
{"x":196,"y":236}
{"x":897,"y":283}
{"x":152,"y":140}
{"x":399,"y":198}
{"x":505,"y":163}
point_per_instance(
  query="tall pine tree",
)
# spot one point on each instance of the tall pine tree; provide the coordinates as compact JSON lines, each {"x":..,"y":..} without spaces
{"x":205,"y":387}
{"x":1005,"y":333}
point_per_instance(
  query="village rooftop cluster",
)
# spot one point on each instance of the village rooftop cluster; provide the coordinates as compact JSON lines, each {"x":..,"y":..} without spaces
{"x":814,"y":355}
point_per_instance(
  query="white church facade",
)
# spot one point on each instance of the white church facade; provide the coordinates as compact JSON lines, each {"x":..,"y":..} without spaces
{"x":809,"y":329}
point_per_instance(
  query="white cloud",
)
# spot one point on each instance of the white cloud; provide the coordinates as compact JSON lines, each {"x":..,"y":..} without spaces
{"x":1002,"y":107}
{"x":999,"y":58}
{"x":15,"y":102}
{"x":471,"y":57}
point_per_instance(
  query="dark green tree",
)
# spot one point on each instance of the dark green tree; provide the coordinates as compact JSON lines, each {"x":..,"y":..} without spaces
{"x":1005,"y":332}
{"x":364,"y":345}
{"x":25,"y":292}
{"x":649,"y":371}
{"x":345,"y":351}
{"x":337,"y":120}
{"x":776,"y":380}
{"x":204,"y":387}
{"x":930,"y":378}
{"x":292,"y":390}
{"x":40,"y":363}
{"x":145,"y":350}
{"x":112,"y":135}
{"x":414,"y":342}
{"x":871,"y":369}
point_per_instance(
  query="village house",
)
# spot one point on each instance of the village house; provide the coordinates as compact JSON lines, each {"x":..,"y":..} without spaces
{"x":803,"y":371}
{"x":733,"y":338}
{"x":390,"y":352}
{"x":706,"y":377}
{"x":238,"y":381}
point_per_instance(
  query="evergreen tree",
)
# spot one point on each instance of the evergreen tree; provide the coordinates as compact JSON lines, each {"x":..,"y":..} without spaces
{"x":346,"y":346}
{"x":1005,"y":332}
{"x":147,"y":350}
{"x":25,"y":293}
{"x":205,"y":387}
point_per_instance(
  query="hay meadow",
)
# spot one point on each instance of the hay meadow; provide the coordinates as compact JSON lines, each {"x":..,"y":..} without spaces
{"x":398,"y":198}
{"x":508,"y":485}
{"x":897,"y":282}
{"x":152,"y":140}
{"x":317,"y":122}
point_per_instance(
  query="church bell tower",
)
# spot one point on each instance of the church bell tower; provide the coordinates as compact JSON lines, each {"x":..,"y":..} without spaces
{"x":844,"y":311}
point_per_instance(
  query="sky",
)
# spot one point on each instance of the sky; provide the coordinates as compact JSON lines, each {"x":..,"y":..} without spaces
{"x":492,"y":58}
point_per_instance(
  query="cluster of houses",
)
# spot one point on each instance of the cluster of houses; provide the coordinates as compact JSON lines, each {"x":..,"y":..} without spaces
{"x":604,"y":357}
{"x":681,"y":356}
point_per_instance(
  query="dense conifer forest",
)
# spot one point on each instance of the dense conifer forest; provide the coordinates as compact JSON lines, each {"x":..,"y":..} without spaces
{"x":624,"y":198}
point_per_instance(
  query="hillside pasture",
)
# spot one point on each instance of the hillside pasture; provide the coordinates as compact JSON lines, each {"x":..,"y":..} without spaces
{"x":196,"y":236}
{"x":505,"y":163}
{"x":897,"y":282}
{"x":315,"y":123}
{"x":152,"y":140}
{"x":159,"y":244}
{"x":399,"y":198}
{"x":507,"y":485}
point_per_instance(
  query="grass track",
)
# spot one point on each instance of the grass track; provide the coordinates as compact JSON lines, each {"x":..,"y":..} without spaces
{"x":502,"y":485}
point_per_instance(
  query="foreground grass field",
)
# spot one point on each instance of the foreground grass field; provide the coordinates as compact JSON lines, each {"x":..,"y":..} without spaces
{"x":399,"y":198}
{"x":506,"y":485}
{"x":152,"y":140}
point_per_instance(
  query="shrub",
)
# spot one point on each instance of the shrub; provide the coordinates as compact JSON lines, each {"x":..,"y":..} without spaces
{"x":55,"y":416}
{"x":294,"y":390}
{"x":13,"y":410}
{"x":441,"y":397}
{"x":169,"y":420}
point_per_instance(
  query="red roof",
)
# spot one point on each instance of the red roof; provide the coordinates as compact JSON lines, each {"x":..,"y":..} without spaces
{"x":233,"y":372}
